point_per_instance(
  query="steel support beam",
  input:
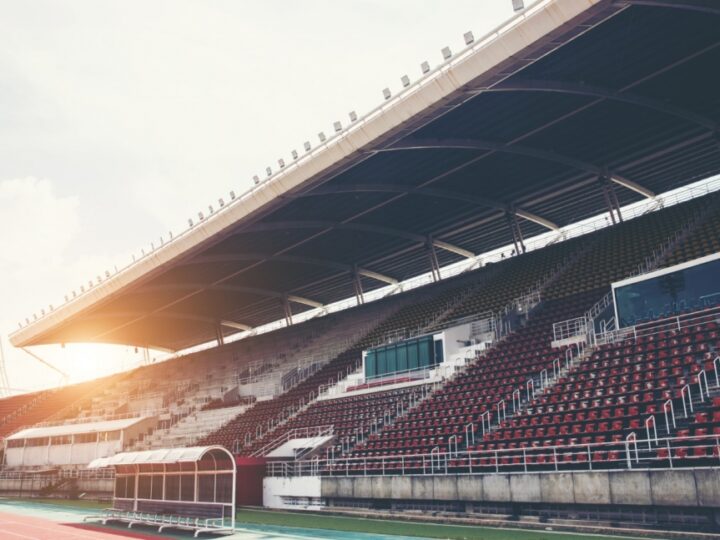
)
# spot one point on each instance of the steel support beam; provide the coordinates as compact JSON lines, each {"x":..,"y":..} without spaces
{"x":633,"y":186}
{"x":231,"y":288}
{"x":429,"y":192}
{"x":375,"y":229}
{"x":562,"y":87}
{"x":525,"y":151}
{"x":236,"y":325}
{"x":264,"y":257}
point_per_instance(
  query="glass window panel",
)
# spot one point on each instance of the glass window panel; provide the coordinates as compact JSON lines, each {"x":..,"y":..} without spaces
{"x":157,"y":486}
{"x":206,"y":488}
{"x":224,"y":488}
{"x":402,"y":358}
{"x":130,"y":488}
{"x":438,"y":357}
{"x":381,"y":362}
{"x":370,"y":364}
{"x":120,"y":486}
{"x":412,"y":349}
{"x":144,"y":483}
{"x":172,"y":487}
{"x":187,"y":487}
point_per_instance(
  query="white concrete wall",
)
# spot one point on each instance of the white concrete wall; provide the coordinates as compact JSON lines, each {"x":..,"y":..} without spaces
{"x":276,"y":489}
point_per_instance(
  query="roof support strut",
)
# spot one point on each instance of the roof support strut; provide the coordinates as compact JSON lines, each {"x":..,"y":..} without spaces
{"x":434,"y":263}
{"x":287,"y":310}
{"x":357,"y":286}
{"x":516,"y":232}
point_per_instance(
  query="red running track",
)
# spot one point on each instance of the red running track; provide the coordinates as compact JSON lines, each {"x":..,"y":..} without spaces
{"x":16,"y":527}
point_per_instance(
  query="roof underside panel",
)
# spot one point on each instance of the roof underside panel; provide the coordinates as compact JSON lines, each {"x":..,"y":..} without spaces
{"x":619,"y":90}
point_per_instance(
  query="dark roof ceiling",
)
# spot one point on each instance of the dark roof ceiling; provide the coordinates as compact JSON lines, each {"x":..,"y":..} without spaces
{"x":629,"y":92}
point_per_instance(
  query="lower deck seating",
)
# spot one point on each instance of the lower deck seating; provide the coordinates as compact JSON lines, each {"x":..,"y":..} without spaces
{"x":612,"y":393}
{"x":354,"y":417}
{"x":465,"y":399}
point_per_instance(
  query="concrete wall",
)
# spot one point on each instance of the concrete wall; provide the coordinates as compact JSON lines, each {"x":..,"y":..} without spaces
{"x":278,"y":491}
{"x":93,"y":487}
{"x":688,"y":488}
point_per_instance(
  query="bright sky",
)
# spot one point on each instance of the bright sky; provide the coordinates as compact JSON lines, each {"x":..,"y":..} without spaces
{"x":120,"y":119}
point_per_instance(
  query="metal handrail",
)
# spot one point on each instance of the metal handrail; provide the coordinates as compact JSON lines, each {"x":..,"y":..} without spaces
{"x":631,"y":438}
{"x":683,"y":391}
{"x":616,"y":455}
{"x":672,"y":412}
{"x":651,"y":419}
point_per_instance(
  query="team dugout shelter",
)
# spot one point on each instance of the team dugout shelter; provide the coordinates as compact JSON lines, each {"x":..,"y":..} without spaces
{"x":186,"y":488}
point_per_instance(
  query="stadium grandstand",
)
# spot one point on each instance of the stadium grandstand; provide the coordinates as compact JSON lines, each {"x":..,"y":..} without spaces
{"x":494,"y":298}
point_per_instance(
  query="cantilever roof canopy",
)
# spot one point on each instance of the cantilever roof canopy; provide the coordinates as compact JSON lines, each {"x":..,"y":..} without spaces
{"x":73,"y":429}
{"x":571,"y":107}
{"x":161,"y":456}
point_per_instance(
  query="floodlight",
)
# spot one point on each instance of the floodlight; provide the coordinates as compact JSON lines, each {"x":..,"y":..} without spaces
{"x":27,"y":321}
{"x":337,"y":126}
{"x":405,"y":80}
{"x":322,"y":136}
{"x":190,"y":222}
{"x":51,"y":307}
{"x":256,"y":179}
{"x":294,"y":154}
{"x":386,"y":93}
{"x":42,"y":312}
{"x":66,"y":298}
{"x":210,"y":209}
{"x":425,"y":67}
{"x":281,"y":162}
{"x":307,"y":146}
{"x":221,"y":202}
{"x":353,"y":116}
{"x":201,"y":216}
{"x":107,"y":273}
{"x":268,"y":171}
{"x":469,"y":38}
{"x":446,"y":53}
{"x":232,"y":198}
{"x":518,"y":5}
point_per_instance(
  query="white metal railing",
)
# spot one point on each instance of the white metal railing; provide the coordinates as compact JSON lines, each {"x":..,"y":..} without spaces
{"x":297,"y":433}
{"x":625,"y":454}
{"x":570,"y":328}
{"x":29,"y":474}
{"x":676,"y":323}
